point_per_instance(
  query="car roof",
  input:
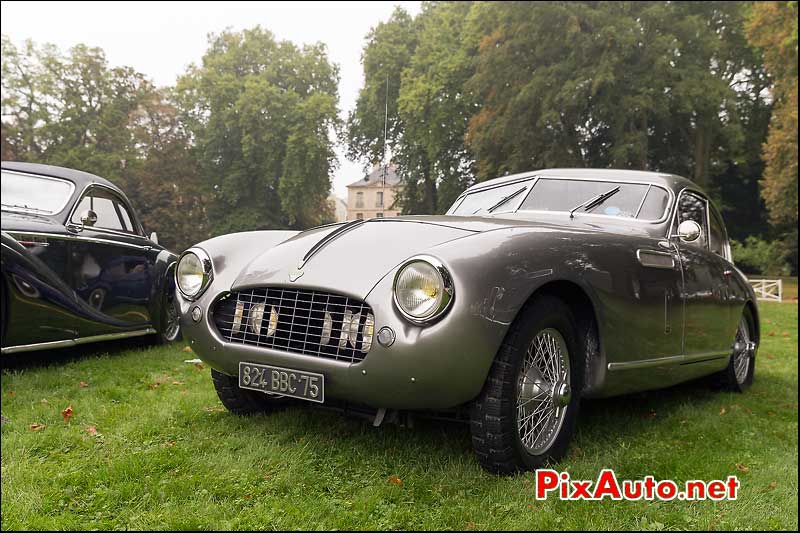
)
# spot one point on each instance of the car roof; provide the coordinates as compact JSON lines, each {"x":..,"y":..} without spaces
{"x":79,"y":178}
{"x":671,"y":181}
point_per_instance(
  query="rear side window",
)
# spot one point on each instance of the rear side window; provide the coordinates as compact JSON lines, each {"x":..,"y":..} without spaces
{"x":717,"y":240}
{"x":694,"y":207}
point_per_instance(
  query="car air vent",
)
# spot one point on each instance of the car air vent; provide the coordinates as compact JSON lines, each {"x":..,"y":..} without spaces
{"x":305,"y":322}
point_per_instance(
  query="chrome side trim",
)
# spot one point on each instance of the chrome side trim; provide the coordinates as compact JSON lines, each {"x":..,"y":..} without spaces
{"x":75,"y":342}
{"x":662,"y":361}
{"x":90,"y":239}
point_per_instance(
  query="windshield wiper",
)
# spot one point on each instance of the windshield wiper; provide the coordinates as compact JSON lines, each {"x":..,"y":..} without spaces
{"x":593,"y":201}
{"x":503,"y":200}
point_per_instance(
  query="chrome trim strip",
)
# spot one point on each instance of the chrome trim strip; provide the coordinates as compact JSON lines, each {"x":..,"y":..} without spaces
{"x":669,"y":360}
{"x":448,"y":289}
{"x":208,"y":272}
{"x":42,"y":176}
{"x":75,"y":342}
{"x":90,"y":239}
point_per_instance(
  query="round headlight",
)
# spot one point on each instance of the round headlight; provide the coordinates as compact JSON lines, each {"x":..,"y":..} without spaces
{"x":193,"y":273}
{"x":422,"y":289}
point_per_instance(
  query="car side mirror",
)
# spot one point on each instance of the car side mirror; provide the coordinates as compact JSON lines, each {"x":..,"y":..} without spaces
{"x":154,"y":237}
{"x":89,"y":218}
{"x":689,"y":231}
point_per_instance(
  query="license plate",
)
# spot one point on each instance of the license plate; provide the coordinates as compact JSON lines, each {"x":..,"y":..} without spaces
{"x":283,"y":381}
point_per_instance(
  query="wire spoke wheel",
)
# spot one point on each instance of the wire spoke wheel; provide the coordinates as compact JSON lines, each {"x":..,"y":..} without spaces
{"x":172,"y":325}
{"x":742,"y":355}
{"x":543,"y":391}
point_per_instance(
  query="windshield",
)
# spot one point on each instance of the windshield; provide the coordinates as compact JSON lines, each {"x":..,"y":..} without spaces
{"x":633,"y":200}
{"x":38,"y":194}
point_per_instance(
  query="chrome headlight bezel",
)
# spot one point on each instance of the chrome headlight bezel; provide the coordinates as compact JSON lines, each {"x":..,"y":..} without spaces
{"x":207,"y":272}
{"x":445,"y":282}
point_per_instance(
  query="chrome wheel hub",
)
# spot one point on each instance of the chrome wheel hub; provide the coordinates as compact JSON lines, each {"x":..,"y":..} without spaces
{"x":543,"y":391}
{"x":743,"y":350}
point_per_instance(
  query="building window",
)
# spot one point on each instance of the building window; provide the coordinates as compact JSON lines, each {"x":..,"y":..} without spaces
{"x":379,"y":199}
{"x":359,"y":216}
{"x":379,"y":215}
{"x":359,"y":199}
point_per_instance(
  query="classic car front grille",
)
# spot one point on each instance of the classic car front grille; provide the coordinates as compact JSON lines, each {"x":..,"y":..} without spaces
{"x":305,"y":322}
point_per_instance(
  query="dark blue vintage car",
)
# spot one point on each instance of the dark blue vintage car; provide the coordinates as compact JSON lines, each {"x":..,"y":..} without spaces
{"x":77,"y":266}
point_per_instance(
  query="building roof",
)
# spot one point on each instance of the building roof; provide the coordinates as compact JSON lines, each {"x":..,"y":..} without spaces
{"x":375,"y":177}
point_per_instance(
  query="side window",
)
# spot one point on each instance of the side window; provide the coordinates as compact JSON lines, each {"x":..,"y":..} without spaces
{"x":111,"y":212}
{"x":126,"y":217}
{"x":694,"y":207}
{"x":717,"y":241}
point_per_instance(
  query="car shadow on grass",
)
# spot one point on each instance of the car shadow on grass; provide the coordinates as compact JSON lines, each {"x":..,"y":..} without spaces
{"x":63,"y":356}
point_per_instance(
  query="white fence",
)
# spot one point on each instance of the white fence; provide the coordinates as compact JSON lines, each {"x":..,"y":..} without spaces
{"x":768,"y":289}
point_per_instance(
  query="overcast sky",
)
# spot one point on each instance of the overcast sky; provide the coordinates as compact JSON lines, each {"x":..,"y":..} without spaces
{"x":160,"y":39}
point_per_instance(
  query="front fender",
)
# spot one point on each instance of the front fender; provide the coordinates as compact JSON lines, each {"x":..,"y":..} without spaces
{"x":230,"y":253}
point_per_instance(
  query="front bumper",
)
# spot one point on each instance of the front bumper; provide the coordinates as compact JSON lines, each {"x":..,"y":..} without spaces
{"x":438,"y":366}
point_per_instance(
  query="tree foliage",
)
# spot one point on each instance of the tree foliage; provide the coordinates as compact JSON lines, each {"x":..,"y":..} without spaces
{"x":261,"y":114}
{"x":773,"y":28}
{"x":481,"y":89}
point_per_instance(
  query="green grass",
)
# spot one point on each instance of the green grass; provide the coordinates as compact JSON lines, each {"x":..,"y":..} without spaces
{"x":166,"y":456}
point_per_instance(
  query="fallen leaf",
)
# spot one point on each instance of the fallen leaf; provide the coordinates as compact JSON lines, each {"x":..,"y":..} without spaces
{"x":67,"y":413}
{"x":722,"y":411}
{"x":199,"y":366}
{"x":36,"y":427}
{"x":470,"y":526}
{"x":44,"y":401}
{"x":213,"y":409}
{"x":785,"y":333}
{"x":742,"y":468}
{"x":771,"y":333}
{"x":91,"y":430}
{"x":152,"y":386}
{"x":83,"y":384}
{"x":773,"y":484}
{"x":170,"y":443}
{"x":652,"y":414}
{"x":394,"y":480}
{"x":184,"y":391}
{"x":177,"y":382}
{"x":248,"y":497}
{"x":11,"y":394}
{"x":187,"y":349}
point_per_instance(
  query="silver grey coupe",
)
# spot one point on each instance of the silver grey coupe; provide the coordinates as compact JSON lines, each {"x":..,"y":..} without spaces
{"x":533,"y":292}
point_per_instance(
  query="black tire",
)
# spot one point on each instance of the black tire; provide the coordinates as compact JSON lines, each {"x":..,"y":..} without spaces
{"x":729,"y":379}
{"x":242,"y":401}
{"x":496,"y":436}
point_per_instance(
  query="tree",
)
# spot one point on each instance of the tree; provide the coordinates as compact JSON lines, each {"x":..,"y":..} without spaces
{"x":261,"y":113}
{"x":772,"y":26}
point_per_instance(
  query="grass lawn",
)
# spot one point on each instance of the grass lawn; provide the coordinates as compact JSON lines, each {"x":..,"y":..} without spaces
{"x":150,"y":447}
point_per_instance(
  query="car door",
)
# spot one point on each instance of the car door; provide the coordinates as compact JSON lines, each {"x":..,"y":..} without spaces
{"x":111,"y":261}
{"x":706,"y":310}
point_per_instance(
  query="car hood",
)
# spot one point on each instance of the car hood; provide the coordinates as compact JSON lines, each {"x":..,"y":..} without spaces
{"x":354,"y":258}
